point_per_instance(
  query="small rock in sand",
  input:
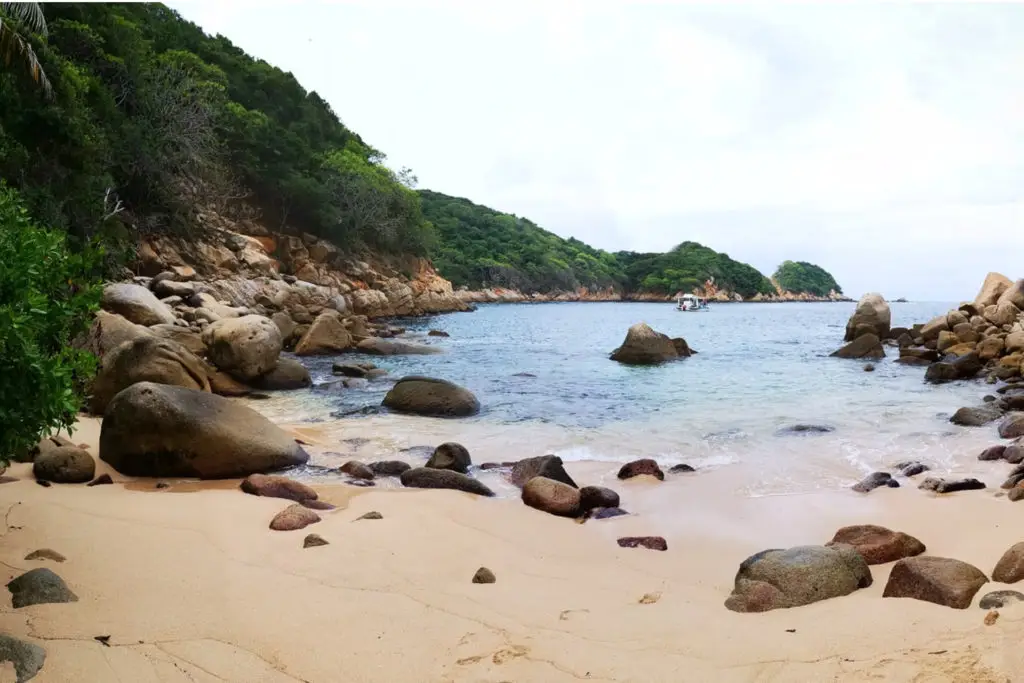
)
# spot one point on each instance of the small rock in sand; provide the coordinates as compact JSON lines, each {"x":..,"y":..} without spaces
{"x":992,"y":453}
{"x":1015,"y":494}
{"x":313,"y":541}
{"x":275,"y":486}
{"x":293,"y":517}
{"x":45,"y":484}
{"x":39,"y":587}
{"x":1000,"y":599}
{"x":372,"y":514}
{"x":991,"y":618}
{"x":45,"y":554}
{"x":951,"y":485}
{"x":27,"y":658}
{"x":911,"y":468}
{"x":101,"y":480}
{"x":649,"y":598}
{"x":427,"y":478}
{"x":679,"y":469}
{"x":484,"y":575}
{"x":643,"y":466}
{"x":357,"y":470}
{"x":598,"y":497}
{"x":873,"y":481}
{"x":649,"y":542}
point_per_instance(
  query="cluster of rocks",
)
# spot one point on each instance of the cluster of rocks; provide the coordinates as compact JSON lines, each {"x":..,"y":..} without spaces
{"x":782,"y":578}
{"x":644,"y":346}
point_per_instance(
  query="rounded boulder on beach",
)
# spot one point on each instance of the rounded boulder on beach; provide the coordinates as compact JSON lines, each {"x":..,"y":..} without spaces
{"x":431,"y":397}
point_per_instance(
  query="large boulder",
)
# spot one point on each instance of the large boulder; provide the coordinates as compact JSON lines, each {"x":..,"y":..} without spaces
{"x":64,"y":465}
{"x":192,"y":341}
{"x":287,"y":374}
{"x":930,"y":331}
{"x":429,"y":478}
{"x":393,"y":347}
{"x":432,"y":397}
{"x":993,"y":287}
{"x":941,"y":580}
{"x":327,"y":335}
{"x":644,"y":346}
{"x":872,"y":315}
{"x":774,"y":579}
{"x":977,"y":416}
{"x":146,"y":359}
{"x":155,"y":430}
{"x":1012,"y":427}
{"x":110,"y":330}
{"x":552,"y":496}
{"x":450,"y":456}
{"x":1014,"y":294}
{"x":549,"y":466}
{"x":136,"y":303}
{"x":877,"y":544}
{"x":867,"y":345}
{"x":246,"y":347}
{"x":1010,"y":568}
{"x":1002,"y":313}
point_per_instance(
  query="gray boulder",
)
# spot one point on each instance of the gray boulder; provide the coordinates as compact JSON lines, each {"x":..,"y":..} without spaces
{"x":774,"y":579}
{"x":432,"y":397}
{"x":871,"y":315}
{"x":247,"y":347}
{"x":155,"y":430}
{"x":146,"y":359}
{"x":136,"y":303}
{"x":27,"y":658}
{"x":39,"y":587}
{"x":977,"y":416}
{"x":287,"y":374}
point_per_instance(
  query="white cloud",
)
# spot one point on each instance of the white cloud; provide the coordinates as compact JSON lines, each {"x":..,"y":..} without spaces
{"x":880,"y":140}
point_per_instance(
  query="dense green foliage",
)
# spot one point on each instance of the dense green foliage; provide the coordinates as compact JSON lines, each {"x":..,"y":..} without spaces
{"x":688,"y":267}
{"x":481,"y":247}
{"x":47,"y":294}
{"x":800,"y":277}
{"x":152,"y":117}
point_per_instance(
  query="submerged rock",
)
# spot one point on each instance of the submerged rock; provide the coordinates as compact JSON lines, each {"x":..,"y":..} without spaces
{"x":681,"y":468}
{"x":636,"y":468}
{"x":877,"y":544}
{"x":951,"y":485}
{"x":806,"y":429}
{"x":774,"y":579}
{"x":940,"y":580}
{"x":431,"y":397}
{"x":389,"y":468}
{"x":394,"y":347}
{"x":644,"y":346}
{"x":911,"y":468}
{"x":450,"y":456}
{"x":865,"y":346}
{"x":875,"y":480}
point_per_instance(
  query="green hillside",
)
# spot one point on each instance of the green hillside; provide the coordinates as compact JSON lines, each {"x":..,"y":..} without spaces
{"x":800,"y":277}
{"x":687,"y":267}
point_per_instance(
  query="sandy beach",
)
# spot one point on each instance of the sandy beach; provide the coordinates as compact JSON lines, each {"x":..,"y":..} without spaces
{"x":190,"y":584}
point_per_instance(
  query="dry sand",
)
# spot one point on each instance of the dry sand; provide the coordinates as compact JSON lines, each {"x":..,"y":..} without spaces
{"x":191,"y":585}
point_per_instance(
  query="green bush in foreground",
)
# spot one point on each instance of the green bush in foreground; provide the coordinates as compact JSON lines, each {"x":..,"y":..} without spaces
{"x":47,"y":293}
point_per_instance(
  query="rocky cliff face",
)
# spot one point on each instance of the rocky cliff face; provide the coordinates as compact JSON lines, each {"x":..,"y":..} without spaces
{"x":243,"y":263}
{"x":498,"y":295}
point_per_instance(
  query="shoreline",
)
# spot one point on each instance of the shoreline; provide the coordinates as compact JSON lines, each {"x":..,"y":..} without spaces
{"x":190,"y":584}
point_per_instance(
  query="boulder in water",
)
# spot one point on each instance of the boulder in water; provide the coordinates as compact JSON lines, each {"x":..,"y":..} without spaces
{"x":1012,"y":427}
{"x":431,"y":397}
{"x":549,"y":466}
{"x":450,"y":456}
{"x":636,"y":468}
{"x":867,"y":345}
{"x":155,"y":430}
{"x":287,"y":374}
{"x":871,"y":315}
{"x":644,"y":346}
{"x":393,"y":347}
{"x":874,"y":481}
{"x":976,"y":416}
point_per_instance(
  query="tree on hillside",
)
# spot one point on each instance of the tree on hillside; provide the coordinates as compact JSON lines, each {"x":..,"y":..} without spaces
{"x":14,"y":45}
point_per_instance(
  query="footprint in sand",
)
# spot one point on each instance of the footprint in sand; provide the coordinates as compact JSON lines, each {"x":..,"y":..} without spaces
{"x":509,"y":653}
{"x":566,"y":613}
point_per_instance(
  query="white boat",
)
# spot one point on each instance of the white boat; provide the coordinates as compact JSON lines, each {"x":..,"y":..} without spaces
{"x":689,"y":302}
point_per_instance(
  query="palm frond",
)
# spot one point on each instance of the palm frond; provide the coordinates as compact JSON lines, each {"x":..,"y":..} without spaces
{"x":13,"y":46}
{"x":28,"y":13}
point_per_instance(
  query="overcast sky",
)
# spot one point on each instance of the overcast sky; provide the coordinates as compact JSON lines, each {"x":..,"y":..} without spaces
{"x":883,"y":142}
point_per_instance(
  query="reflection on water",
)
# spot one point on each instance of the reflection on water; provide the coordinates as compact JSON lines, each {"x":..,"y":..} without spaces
{"x":759,"y":368}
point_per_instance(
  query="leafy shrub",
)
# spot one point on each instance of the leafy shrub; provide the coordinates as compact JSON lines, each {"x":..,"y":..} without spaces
{"x":47,"y":293}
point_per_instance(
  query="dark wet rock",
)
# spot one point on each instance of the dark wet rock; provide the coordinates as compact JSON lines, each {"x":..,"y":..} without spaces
{"x":45,"y":484}
{"x":869,"y":367}
{"x":649,"y":542}
{"x":993,"y":453}
{"x":1012,"y":402}
{"x":64,"y":465}
{"x":951,"y":485}
{"x":598,"y":497}
{"x":877,"y":544}
{"x":294,"y":517}
{"x":1015,"y":494}
{"x":919,"y":356}
{"x":940,"y":580}
{"x":643,"y":466}
{"x":774,"y":579}
{"x":525,"y":374}
{"x":644,"y":346}
{"x":1014,"y":453}
{"x":39,"y":587}
{"x":450,"y":456}
{"x":316,"y":504}
{"x":437,"y":333}
{"x":997,"y":599}
{"x":1012,"y":427}
{"x":162,"y":485}
{"x":681,"y":468}
{"x":357,"y":470}
{"x":977,"y":416}
{"x":911,"y":468}
{"x":484,"y":575}
{"x":507,"y":465}
{"x":1010,"y":568}
{"x":372,"y":514}
{"x":274,"y":486}
{"x":27,"y":658}
{"x":287,"y":374}
{"x":607,"y":513}
{"x":872,"y":482}
{"x":806,"y":429}
{"x":349,"y":370}
{"x":554,"y":497}
{"x":45,"y":554}
{"x":314,"y":541}
{"x":154,"y":430}
{"x":101,"y":480}
{"x":865,"y":346}
{"x":429,"y":478}
{"x":431,"y":397}
{"x":549,"y":466}
{"x":389,"y":468}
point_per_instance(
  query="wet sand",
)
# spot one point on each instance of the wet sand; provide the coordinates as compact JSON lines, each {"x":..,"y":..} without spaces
{"x":195,"y":587}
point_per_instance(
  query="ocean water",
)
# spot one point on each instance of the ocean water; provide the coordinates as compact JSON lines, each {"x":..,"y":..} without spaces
{"x":546,"y":384}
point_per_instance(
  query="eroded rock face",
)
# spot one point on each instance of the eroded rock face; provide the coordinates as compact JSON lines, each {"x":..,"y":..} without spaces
{"x":940,"y":580}
{"x":644,"y":346}
{"x":146,"y":359}
{"x":136,"y":303}
{"x":246,"y":347}
{"x":774,"y":579}
{"x":431,"y":397}
{"x":155,"y":430}
{"x":872,"y":314}
{"x":877,"y":544}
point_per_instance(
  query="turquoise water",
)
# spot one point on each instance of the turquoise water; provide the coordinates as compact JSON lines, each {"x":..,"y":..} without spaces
{"x":759,"y":369}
